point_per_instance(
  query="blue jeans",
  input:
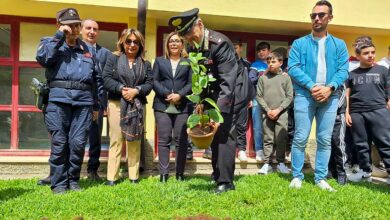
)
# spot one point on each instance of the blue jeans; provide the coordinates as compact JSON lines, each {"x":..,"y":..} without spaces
{"x":305,"y":109}
{"x":257,"y":125}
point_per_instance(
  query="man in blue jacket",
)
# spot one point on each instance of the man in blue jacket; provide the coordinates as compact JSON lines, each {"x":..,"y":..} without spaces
{"x":73,"y":79}
{"x":90,"y":35}
{"x":318,"y":66}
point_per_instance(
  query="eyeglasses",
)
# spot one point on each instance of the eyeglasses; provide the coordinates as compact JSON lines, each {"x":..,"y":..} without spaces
{"x":321,"y":15}
{"x":129,"y":42}
{"x":177,"y":41}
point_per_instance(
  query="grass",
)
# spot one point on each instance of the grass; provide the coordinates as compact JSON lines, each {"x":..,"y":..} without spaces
{"x":256,"y":197}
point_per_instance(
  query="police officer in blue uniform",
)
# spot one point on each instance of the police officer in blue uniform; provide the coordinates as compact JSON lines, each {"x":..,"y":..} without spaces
{"x":230,"y":90}
{"x":75,"y":84}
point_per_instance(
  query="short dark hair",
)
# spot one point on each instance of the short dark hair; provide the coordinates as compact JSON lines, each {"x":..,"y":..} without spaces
{"x":327,"y":3}
{"x":363,"y":45}
{"x":275,"y":55}
{"x":237,"y":42}
{"x":361,"y":39}
{"x":263,"y":45}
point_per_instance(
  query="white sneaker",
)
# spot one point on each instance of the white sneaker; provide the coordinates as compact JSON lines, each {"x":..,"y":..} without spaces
{"x":355,"y":168}
{"x":283,"y":168}
{"x":296,"y":183}
{"x":265,"y":169}
{"x":260,"y":155}
{"x":325,"y":186}
{"x":360,"y":176}
{"x":242,"y":156}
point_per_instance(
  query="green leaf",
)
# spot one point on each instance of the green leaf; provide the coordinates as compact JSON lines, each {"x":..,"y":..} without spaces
{"x":211,"y":78}
{"x":199,"y":56}
{"x":193,"y":120}
{"x":193,"y":60}
{"x":195,"y":69}
{"x":184,"y":63}
{"x":212,"y":103}
{"x":192,"y":54}
{"x":196,"y":89}
{"x":215,"y":115}
{"x":204,"y":119}
{"x":203,"y":81}
{"x":193,"y":98}
{"x":204,"y":69}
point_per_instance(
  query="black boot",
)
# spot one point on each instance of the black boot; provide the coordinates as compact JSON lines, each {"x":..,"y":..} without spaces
{"x":44,"y":181}
{"x":179,"y":176}
{"x":164,"y":178}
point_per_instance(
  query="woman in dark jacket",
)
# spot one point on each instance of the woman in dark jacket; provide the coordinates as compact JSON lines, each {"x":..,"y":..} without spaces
{"x":172,"y":82}
{"x":128,"y":79}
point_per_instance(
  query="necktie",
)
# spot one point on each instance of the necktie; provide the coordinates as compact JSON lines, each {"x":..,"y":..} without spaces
{"x":93,"y":51}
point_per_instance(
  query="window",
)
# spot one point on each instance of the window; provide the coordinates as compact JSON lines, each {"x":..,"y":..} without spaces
{"x":5,"y":130}
{"x":5,"y":85}
{"x":5,"y":40}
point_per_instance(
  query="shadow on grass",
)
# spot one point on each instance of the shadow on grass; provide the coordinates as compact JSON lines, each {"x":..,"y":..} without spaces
{"x":11,"y":193}
{"x":378,"y":187}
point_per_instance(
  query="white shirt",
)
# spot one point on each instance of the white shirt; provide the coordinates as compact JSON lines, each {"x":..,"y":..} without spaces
{"x":321,"y":68}
{"x":174,"y":64}
{"x":385,"y":61}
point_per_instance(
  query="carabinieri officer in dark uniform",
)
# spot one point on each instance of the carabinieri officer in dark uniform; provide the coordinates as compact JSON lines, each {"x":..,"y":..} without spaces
{"x":223,"y":64}
{"x":74,"y":80}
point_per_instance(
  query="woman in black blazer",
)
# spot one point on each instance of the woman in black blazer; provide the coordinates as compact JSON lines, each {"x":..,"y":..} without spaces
{"x":171,"y":83}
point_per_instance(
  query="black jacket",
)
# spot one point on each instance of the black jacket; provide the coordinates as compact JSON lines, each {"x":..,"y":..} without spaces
{"x":164,"y":83}
{"x":113,"y":85}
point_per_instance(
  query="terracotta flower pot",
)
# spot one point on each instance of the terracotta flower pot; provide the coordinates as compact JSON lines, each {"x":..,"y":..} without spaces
{"x":203,"y":141}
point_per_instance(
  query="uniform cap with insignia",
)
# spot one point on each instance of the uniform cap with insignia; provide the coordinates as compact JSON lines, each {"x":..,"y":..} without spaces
{"x":68,"y":16}
{"x":183,"y":22}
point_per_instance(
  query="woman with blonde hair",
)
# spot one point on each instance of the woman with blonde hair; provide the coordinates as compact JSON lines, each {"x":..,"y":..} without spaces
{"x":128,"y":79}
{"x":171,"y":83}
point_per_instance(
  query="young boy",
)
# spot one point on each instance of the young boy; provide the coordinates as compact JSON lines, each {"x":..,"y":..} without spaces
{"x":274,"y":94}
{"x":367,"y":113}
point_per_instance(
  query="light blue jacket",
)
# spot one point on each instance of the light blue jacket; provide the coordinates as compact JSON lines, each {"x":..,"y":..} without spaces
{"x":303,"y":61}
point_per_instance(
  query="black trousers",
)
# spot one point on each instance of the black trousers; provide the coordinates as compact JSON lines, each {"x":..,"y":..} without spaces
{"x":338,"y":156}
{"x":223,"y":150}
{"x":241,"y":119}
{"x":352,"y":155}
{"x":95,"y":143}
{"x":377,"y":124}
{"x":69,"y":127}
{"x":169,"y":125}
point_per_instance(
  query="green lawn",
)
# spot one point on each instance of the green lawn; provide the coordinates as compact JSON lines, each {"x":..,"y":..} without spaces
{"x":256,"y":197}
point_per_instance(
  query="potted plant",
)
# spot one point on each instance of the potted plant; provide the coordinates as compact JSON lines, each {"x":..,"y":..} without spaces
{"x":203,"y":123}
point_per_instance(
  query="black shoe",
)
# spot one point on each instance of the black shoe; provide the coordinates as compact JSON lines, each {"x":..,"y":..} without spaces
{"x":189,"y":155}
{"x":342,"y":179}
{"x":179,"y":176}
{"x":164,"y":178}
{"x":59,"y":190}
{"x":44,"y":181}
{"x":74,"y":187}
{"x":93,"y":176}
{"x":224,"y":187}
{"x":134,"y":181}
{"x":207,"y":154}
{"x":110,"y":183}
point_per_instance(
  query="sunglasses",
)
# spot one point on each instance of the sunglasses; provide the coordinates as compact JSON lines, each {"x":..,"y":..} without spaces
{"x":321,"y":15}
{"x":171,"y":41}
{"x":129,"y":42}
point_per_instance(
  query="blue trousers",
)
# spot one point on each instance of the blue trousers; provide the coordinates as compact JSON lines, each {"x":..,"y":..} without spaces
{"x":305,"y":109}
{"x":69,"y":126}
{"x":257,"y":125}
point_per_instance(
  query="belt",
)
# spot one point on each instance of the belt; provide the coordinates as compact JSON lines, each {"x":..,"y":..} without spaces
{"x":70,"y":85}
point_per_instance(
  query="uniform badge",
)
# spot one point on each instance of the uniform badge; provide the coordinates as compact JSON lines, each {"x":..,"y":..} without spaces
{"x":72,"y":13}
{"x":177,"y":22}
